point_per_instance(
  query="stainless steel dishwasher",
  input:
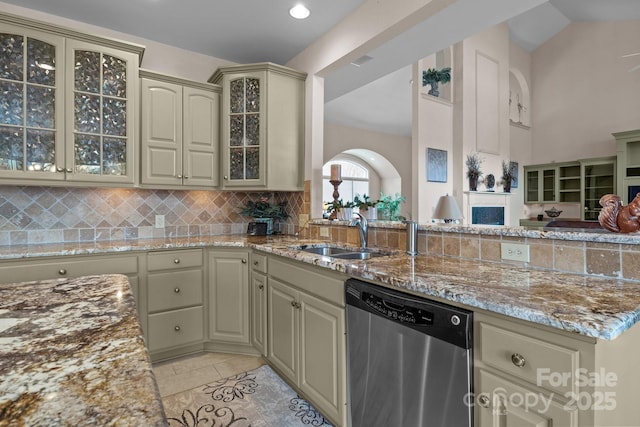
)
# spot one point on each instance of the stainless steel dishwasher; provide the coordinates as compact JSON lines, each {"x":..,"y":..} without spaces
{"x":409,"y":360}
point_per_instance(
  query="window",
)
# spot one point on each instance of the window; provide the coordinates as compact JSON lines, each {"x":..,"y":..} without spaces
{"x":355,"y":180}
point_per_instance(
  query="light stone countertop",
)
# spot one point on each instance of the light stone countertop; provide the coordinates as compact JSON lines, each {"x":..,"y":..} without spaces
{"x":72,"y":353}
{"x":596,"y":307}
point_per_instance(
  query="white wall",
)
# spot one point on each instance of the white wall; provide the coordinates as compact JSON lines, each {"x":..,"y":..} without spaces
{"x":583,"y":91}
{"x":157,"y":56}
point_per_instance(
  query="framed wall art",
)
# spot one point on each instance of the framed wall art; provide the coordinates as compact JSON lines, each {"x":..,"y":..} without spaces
{"x":436,"y":165}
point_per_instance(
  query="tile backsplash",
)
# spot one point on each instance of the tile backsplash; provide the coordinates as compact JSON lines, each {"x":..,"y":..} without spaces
{"x":61,"y":214}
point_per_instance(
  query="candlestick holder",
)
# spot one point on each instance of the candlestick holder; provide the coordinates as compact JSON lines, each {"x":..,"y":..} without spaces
{"x":336,"y":196}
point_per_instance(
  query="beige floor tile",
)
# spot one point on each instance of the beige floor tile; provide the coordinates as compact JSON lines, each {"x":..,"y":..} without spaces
{"x":188,"y":380}
{"x":238,"y":364}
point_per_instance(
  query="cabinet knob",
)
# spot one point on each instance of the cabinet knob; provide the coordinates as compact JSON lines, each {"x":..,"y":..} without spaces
{"x":518,"y":360}
{"x":186,"y":177}
{"x":176,"y":261}
{"x":60,"y":170}
{"x":176,"y":290}
{"x":484,"y":401}
{"x":261,"y":287}
{"x":62,"y":271}
{"x":179,"y":176}
{"x":244,"y":261}
{"x":177,"y":328}
{"x":293,"y":304}
{"x":68,"y":170}
{"x":225,"y":177}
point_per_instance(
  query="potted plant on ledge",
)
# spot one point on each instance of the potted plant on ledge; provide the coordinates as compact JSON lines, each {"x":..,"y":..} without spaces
{"x":366,"y":206}
{"x":265,"y":211}
{"x":432,"y":77}
{"x":473,"y":170}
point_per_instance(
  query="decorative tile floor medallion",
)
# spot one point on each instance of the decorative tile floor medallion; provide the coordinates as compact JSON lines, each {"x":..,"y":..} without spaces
{"x":257,"y":398}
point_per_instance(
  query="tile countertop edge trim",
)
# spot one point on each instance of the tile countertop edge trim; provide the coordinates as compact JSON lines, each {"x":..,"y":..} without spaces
{"x":604,"y":330}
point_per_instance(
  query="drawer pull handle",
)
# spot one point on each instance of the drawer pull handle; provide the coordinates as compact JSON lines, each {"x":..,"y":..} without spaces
{"x":62,"y":271}
{"x":176,"y":328}
{"x":244,"y":261}
{"x":261,"y":287}
{"x":255,"y":262}
{"x":484,"y":401}
{"x":518,"y":360}
{"x":176,"y":290}
{"x":176,"y":261}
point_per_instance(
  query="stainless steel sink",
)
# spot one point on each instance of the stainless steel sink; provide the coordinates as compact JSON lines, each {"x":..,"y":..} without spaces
{"x":326,"y":251}
{"x":343,"y":253}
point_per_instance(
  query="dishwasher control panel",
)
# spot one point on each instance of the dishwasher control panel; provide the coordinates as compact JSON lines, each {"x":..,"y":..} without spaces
{"x":398,"y":312}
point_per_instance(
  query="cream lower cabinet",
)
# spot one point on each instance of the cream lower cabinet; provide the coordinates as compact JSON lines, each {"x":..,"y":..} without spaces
{"x":228,"y":285}
{"x":531,"y":375}
{"x":259,"y":282}
{"x":175,"y":302}
{"x":306,"y":327}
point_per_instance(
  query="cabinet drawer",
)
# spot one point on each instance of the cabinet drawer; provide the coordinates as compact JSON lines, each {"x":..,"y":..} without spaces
{"x":544,"y":364}
{"x":259,"y":262}
{"x":38,"y":269}
{"x":173,"y":290}
{"x":175,"y":328}
{"x":169,"y":260}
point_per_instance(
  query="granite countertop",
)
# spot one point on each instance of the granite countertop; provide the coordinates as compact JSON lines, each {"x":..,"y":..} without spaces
{"x":595,"y":307}
{"x":72,"y":353}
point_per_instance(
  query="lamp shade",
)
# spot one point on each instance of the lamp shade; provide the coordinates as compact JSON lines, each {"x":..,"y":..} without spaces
{"x":447,"y":209}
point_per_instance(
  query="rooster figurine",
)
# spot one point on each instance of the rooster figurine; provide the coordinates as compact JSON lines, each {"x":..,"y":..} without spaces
{"x":617,"y":218}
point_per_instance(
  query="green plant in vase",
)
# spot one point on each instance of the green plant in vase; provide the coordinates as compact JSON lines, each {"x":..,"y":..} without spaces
{"x":390,"y":206}
{"x":366,"y":206}
{"x":473,"y":170}
{"x":432,"y":77}
{"x":265,"y":211}
{"x":507,"y":175}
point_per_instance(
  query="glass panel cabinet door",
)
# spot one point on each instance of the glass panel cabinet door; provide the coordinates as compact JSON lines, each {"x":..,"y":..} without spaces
{"x":243,"y":143}
{"x":30,"y":110}
{"x":102,"y":104}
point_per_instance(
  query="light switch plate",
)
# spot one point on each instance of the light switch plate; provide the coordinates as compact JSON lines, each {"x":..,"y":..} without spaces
{"x":159,"y":221}
{"x":324,"y":231}
{"x":303,"y":219}
{"x":515,"y":251}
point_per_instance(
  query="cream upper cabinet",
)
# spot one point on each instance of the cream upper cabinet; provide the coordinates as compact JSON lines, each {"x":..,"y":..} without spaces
{"x":180,"y":132}
{"x":69,"y":113}
{"x":229,"y":296}
{"x":262,"y":124}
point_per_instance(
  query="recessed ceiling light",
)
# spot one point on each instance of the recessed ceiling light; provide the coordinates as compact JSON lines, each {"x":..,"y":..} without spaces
{"x":299,"y":11}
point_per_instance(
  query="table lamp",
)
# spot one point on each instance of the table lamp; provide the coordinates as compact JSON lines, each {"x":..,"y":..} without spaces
{"x":447,"y":209}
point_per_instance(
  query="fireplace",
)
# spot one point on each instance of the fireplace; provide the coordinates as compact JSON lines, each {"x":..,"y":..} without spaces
{"x":487,"y":215}
{"x":487,"y":208}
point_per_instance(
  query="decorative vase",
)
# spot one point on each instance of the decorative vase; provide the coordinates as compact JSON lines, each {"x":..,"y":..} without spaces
{"x":345,"y":214}
{"x":473,"y":183}
{"x":434,"y":89}
{"x":268,"y":221}
{"x":507,"y":186}
{"x":490,"y":181}
{"x":370,"y":213}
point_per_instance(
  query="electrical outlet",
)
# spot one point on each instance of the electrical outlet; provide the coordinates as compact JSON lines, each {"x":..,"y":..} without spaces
{"x":324,"y":231}
{"x":515,"y":251}
{"x":159,"y":221}
{"x":303,"y":219}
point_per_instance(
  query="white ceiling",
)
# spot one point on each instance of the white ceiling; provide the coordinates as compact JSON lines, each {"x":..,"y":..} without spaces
{"x":261,"y":30}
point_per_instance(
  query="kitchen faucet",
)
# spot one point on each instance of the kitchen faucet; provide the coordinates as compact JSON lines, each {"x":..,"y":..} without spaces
{"x":363,"y":228}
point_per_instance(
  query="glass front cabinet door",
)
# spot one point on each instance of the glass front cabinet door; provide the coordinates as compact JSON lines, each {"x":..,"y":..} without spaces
{"x":31,"y":111}
{"x":67,"y":107}
{"x":101,"y":88}
{"x":262,"y":127}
